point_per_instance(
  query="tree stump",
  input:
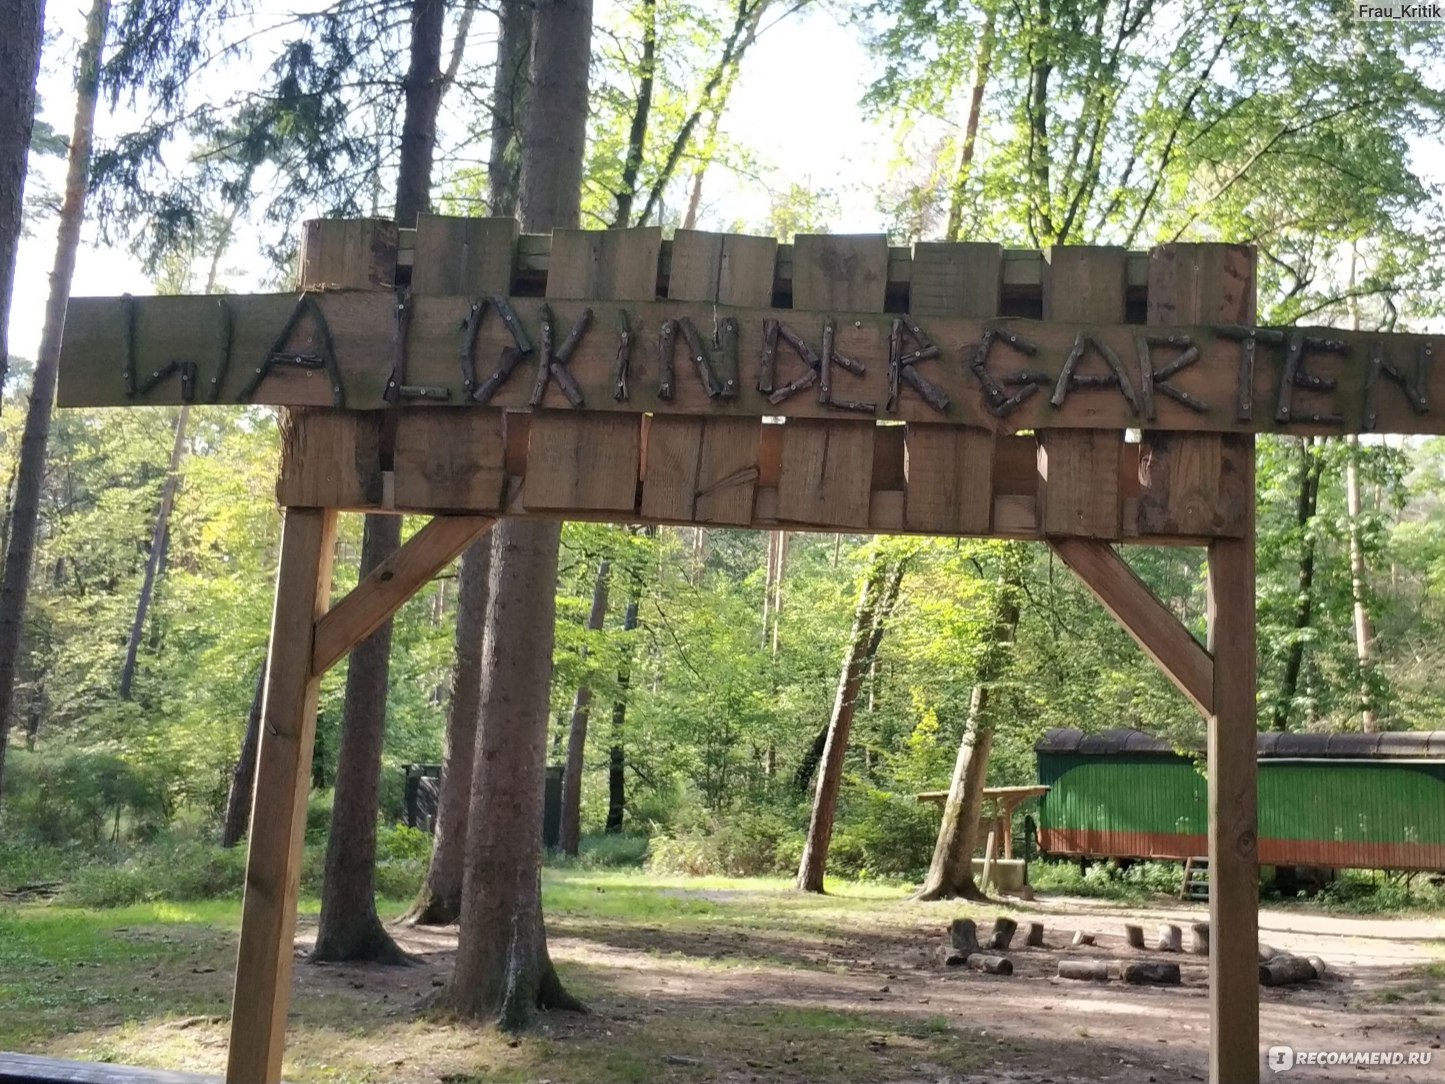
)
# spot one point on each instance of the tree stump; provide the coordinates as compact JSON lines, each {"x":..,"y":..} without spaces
{"x":1170,"y":939}
{"x":1285,"y":969}
{"x":1267,"y":952}
{"x":1085,"y":970}
{"x":1199,"y":939}
{"x":1026,"y":893}
{"x":951,"y":957}
{"x":963,"y":934}
{"x":1318,"y":964}
{"x":1134,"y":935}
{"x":1081,"y":938}
{"x":1003,"y":933}
{"x":1035,"y":936}
{"x":1150,"y":973}
{"x":993,"y":965}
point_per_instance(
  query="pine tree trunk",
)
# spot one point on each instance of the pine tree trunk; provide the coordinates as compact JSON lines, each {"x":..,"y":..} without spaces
{"x":970,"y":132}
{"x":349,"y":927}
{"x":571,"y":826}
{"x":875,"y":600}
{"x":617,"y":755}
{"x":1364,"y":633}
{"x":440,"y":901}
{"x":20,"y":61}
{"x":243,"y":775}
{"x":160,"y":539}
{"x":25,"y":517}
{"x":503,"y":971}
{"x":950,"y":874}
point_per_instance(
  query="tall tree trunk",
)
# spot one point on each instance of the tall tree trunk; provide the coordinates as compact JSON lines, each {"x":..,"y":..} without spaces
{"x":349,"y":927}
{"x":641,"y":114}
{"x":243,"y":775}
{"x":503,"y":971}
{"x":571,"y":827}
{"x":1364,"y":633}
{"x":970,"y":131}
{"x":20,"y":61}
{"x":617,"y":755}
{"x":439,"y":903}
{"x":950,"y":873}
{"x":875,"y":602}
{"x":160,"y":538}
{"x":25,"y":516}
{"x":1306,"y":504}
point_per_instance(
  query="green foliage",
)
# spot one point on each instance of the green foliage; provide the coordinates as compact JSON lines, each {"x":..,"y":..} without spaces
{"x":1137,"y":882}
{"x":83,"y":796}
{"x":1363,"y":892}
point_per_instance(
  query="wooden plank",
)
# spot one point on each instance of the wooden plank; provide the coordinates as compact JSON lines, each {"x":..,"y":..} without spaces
{"x":950,"y":485}
{"x":583,"y":463}
{"x":962,"y":279}
{"x":731,"y":269}
{"x":614,"y":265}
{"x":1187,"y":486}
{"x":840,"y":272}
{"x":348,"y":254}
{"x":824,"y":474}
{"x":278,"y":819}
{"x":727,"y":473}
{"x":1078,"y":475}
{"x":329,"y":459}
{"x":669,"y":488}
{"x":360,"y":325}
{"x":384,"y":590}
{"x":1234,"y":802}
{"x":1142,"y":615}
{"x":31,"y":1069}
{"x":464,"y":255}
{"x":449,"y":460}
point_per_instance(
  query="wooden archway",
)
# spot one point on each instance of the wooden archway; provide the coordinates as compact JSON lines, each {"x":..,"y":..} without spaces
{"x":836,"y":384}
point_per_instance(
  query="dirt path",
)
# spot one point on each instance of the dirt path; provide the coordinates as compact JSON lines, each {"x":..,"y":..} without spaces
{"x":879,"y":994}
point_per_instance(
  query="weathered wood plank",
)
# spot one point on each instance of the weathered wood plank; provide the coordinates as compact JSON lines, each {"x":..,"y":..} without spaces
{"x":464,"y":255}
{"x":727,"y":472}
{"x":669,"y":487}
{"x":1138,"y":610}
{"x":348,"y":254}
{"x":824,"y":474}
{"x":615,"y":265}
{"x":962,"y":279}
{"x":330,"y":459}
{"x":579,"y":462}
{"x":405,"y":572}
{"x":1078,"y":479}
{"x":31,"y":1069}
{"x":278,"y":819}
{"x":450,"y":460}
{"x":840,"y":272}
{"x":360,"y":327}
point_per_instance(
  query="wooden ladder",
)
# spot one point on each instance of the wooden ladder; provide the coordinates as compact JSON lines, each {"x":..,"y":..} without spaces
{"x":1196,"y":879}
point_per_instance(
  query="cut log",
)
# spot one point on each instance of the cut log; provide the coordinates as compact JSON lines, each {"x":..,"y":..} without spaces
{"x":951,"y":957}
{"x":963,"y":935}
{"x":1003,"y":933}
{"x":1082,"y":938}
{"x":1267,"y":952}
{"x":1285,"y":969}
{"x":994,"y":965}
{"x":1026,"y":893}
{"x":1035,"y":936}
{"x":1150,"y":973}
{"x":1085,"y":970}
{"x":1318,"y":964}
{"x":1199,"y":939}
{"x":1171,"y":939}
{"x":1134,"y":935}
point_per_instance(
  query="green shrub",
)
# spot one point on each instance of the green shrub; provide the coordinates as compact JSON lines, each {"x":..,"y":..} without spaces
{"x":397,"y":842}
{"x":882,"y":834}
{"x":167,"y":870}
{"x":601,"y":850}
{"x":747,"y":845}
{"x":318,"y":815}
{"x":72,"y":797}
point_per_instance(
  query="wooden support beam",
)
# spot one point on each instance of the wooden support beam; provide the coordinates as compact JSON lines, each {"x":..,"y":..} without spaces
{"x":1234,"y":802}
{"x":390,"y":584}
{"x":278,"y":819}
{"x":1138,"y":610}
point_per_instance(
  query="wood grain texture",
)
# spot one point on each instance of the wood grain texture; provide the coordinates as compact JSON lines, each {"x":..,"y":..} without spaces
{"x":360,"y":325}
{"x":584,"y":463}
{"x":840,"y":272}
{"x":450,"y":461}
{"x":361,"y":612}
{"x":348,"y":254}
{"x":961,"y":279}
{"x":1142,"y":615}
{"x":464,"y":255}
{"x":278,"y":820}
{"x":824,"y":474}
{"x":612,"y":265}
{"x":329,"y":459}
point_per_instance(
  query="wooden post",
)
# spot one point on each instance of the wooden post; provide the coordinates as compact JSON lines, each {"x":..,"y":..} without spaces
{"x":1233,"y":803}
{"x":278,"y":822}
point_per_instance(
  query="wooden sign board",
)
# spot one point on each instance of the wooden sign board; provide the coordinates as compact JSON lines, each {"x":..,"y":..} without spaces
{"x":370,"y":349}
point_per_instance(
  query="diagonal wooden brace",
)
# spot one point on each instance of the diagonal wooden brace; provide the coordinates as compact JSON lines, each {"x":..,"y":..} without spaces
{"x":390,"y":584}
{"x":1138,"y":610}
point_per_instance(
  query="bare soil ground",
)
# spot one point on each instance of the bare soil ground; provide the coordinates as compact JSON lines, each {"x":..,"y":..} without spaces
{"x":749,"y":982}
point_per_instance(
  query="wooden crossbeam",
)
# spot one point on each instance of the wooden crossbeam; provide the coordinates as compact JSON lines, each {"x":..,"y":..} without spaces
{"x":339,"y":348}
{"x":390,"y":584}
{"x":1181,"y":657}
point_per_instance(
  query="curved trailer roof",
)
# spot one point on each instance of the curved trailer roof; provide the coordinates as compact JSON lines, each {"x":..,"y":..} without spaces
{"x":1273,"y":745}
